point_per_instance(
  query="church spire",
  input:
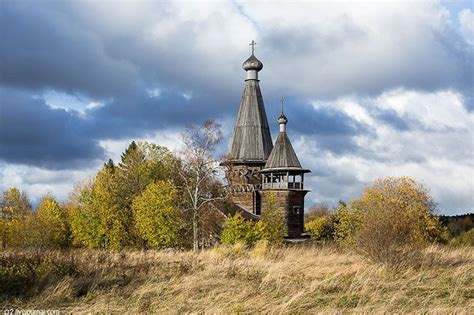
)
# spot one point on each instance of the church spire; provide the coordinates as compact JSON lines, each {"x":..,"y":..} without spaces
{"x":252,"y":140}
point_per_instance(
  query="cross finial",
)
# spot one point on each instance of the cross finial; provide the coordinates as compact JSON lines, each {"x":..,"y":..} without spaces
{"x":281,"y":101}
{"x":253,"y":43}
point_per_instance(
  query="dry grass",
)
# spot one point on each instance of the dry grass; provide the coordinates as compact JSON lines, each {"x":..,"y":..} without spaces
{"x":223,"y":280}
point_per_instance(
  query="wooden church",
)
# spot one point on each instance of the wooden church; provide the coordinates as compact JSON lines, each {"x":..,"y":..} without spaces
{"x":255,"y":167}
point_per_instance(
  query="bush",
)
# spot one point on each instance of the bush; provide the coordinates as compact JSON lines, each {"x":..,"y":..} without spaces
{"x":321,"y":228}
{"x":347,"y":223}
{"x":396,"y":221}
{"x":237,"y":229}
{"x":271,"y":226}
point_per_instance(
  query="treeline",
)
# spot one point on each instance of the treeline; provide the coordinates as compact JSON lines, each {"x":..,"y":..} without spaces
{"x":152,"y":198}
{"x":393,"y":218}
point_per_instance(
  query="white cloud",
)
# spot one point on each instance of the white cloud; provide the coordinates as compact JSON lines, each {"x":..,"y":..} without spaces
{"x":438,"y":154}
{"x":38,"y":181}
{"x":466,"y":20}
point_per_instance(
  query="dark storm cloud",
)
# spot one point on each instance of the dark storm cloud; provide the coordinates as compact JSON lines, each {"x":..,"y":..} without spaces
{"x":42,"y":47}
{"x":114,"y":55}
{"x":333,"y":130}
{"x":34,"y":134}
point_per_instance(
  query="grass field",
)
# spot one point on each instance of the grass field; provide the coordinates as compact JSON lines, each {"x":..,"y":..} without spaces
{"x":289,"y":280}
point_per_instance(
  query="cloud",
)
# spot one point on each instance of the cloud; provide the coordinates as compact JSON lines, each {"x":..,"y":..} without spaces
{"x":45,"y":49}
{"x":371,"y":88}
{"x":466,"y":20}
{"x":32,"y":133}
{"x":435,"y":147}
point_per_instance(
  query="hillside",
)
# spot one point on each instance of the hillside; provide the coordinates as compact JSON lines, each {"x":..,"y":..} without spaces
{"x":295,"y":279}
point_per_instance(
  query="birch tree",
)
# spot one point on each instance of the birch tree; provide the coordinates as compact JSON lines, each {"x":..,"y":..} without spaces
{"x":198,"y":171}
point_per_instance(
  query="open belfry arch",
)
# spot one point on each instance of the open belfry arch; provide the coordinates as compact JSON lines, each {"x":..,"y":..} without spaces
{"x":255,"y":168}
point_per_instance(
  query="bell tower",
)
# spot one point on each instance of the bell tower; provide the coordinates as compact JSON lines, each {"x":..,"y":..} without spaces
{"x":251,"y":142}
{"x":283,"y":179}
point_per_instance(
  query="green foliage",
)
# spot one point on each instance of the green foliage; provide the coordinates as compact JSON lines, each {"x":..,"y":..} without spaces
{"x":101,"y":216}
{"x":237,"y":229}
{"x":86,"y":221}
{"x":271,"y":226}
{"x":156,"y":218}
{"x":464,"y":239}
{"x":321,"y":228}
{"x":54,"y":222}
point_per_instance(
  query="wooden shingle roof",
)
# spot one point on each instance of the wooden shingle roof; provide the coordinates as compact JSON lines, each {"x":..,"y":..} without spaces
{"x":283,"y":155}
{"x":252,"y":141}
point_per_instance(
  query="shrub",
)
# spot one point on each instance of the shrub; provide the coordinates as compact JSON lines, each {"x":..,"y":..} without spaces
{"x":237,"y":229}
{"x":271,"y":226}
{"x":347,"y":223}
{"x":397,"y":220}
{"x":321,"y":228}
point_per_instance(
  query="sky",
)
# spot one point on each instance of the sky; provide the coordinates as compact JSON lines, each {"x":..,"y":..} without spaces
{"x":372,"y":89}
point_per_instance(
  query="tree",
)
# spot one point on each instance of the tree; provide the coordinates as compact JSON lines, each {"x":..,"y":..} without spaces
{"x":156,"y":218}
{"x":14,"y":208}
{"x":397,"y":220}
{"x":54,"y":222}
{"x":198,"y":171}
{"x":317,"y":210}
{"x":14,"y":203}
{"x":101,"y":213}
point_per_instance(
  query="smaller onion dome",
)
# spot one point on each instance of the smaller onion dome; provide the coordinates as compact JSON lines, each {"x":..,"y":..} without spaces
{"x":282,"y":119}
{"x":252,"y":63}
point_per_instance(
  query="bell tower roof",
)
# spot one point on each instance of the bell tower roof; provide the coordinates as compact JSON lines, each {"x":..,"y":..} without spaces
{"x":283,"y":156}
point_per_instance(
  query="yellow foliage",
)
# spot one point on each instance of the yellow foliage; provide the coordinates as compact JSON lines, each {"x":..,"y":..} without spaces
{"x":54,"y":221}
{"x":396,"y":219}
{"x":156,"y":218}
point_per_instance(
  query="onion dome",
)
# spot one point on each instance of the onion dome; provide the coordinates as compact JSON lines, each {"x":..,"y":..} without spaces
{"x":282,"y":120}
{"x":252,"y":63}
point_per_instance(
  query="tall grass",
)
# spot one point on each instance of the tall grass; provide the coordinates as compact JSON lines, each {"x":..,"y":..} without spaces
{"x":233,"y":279}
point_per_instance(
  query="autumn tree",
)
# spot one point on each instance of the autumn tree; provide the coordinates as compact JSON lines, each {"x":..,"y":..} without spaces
{"x":198,"y":171}
{"x":14,"y":203}
{"x":156,"y":218}
{"x":347,"y":220}
{"x":396,"y":219}
{"x":15,"y":207}
{"x":54,"y":222}
{"x":322,"y":228}
{"x":102,"y":215}
{"x":86,"y":218}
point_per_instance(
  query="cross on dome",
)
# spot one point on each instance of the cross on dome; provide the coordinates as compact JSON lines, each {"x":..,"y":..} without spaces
{"x":253,"y":43}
